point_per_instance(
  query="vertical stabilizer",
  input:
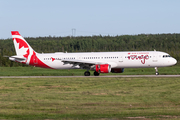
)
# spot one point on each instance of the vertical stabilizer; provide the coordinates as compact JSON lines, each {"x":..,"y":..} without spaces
{"x":22,"y":48}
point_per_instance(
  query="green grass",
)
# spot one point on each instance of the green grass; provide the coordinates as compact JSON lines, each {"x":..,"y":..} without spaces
{"x":89,"y":98}
{"x":35,"y":71}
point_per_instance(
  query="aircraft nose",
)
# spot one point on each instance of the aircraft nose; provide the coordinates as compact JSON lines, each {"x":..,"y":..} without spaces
{"x":174,"y":61}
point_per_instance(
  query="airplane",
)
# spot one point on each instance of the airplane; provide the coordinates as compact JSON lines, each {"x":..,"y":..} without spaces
{"x":99,"y":62}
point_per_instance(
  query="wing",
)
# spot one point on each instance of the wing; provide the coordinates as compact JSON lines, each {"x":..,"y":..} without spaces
{"x":82,"y":63}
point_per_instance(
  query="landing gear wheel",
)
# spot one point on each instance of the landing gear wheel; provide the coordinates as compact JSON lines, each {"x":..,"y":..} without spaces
{"x":157,"y":73}
{"x":87,"y":73}
{"x":156,"y":70}
{"x":96,"y":73}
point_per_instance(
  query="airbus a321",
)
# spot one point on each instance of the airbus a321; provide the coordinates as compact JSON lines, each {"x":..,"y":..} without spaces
{"x":99,"y":62}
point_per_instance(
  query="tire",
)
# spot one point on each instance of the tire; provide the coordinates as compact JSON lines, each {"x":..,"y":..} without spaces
{"x":96,"y":73}
{"x":87,"y":73}
{"x":157,"y":73}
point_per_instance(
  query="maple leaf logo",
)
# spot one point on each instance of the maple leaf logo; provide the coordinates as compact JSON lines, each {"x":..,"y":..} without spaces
{"x":21,"y":47}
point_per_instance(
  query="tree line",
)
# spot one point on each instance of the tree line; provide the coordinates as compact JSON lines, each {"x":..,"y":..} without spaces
{"x":169,"y":43}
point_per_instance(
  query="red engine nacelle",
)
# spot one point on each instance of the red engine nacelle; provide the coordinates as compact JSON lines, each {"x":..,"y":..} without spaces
{"x":117,"y":70}
{"x":103,"y":68}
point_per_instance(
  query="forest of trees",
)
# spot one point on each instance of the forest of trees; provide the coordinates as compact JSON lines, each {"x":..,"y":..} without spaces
{"x":169,"y":43}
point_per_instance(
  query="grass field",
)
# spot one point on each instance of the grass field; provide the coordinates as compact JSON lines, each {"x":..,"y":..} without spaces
{"x":35,"y":71}
{"x":89,"y":98}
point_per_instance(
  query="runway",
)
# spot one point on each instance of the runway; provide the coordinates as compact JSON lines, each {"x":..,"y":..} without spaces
{"x":110,"y":76}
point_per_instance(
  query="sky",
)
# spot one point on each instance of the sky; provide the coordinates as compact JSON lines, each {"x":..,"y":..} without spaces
{"x":34,"y":18}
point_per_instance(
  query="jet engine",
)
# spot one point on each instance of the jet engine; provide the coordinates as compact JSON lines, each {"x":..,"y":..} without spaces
{"x":103,"y":68}
{"x":117,"y":70}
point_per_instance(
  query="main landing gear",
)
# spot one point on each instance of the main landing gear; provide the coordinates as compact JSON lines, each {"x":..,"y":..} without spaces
{"x":156,"y":70}
{"x":87,"y":73}
{"x":96,"y":73}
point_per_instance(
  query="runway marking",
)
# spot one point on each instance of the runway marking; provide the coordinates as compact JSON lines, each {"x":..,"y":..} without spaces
{"x":111,"y":76}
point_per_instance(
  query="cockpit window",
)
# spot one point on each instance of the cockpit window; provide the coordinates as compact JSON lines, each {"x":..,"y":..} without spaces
{"x":165,"y":56}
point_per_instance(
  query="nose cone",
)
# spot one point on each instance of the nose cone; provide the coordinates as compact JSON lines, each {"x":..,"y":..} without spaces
{"x":170,"y":61}
{"x":175,"y":61}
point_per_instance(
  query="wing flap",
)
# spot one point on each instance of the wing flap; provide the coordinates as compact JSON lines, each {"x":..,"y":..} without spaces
{"x":67,"y":61}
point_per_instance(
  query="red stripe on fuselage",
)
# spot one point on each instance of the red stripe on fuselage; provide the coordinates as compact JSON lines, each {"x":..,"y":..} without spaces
{"x":35,"y":61}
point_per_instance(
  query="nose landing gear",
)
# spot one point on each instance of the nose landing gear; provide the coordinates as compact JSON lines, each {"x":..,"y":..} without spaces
{"x":156,"y":70}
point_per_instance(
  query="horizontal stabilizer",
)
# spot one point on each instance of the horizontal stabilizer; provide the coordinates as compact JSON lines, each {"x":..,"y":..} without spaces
{"x":5,"y":56}
{"x":18,"y":57}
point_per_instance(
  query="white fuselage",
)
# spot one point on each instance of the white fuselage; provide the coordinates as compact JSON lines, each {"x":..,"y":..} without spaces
{"x":129,"y":59}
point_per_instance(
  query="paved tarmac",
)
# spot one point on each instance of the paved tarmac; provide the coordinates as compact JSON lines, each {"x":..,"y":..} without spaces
{"x":110,"y":76}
